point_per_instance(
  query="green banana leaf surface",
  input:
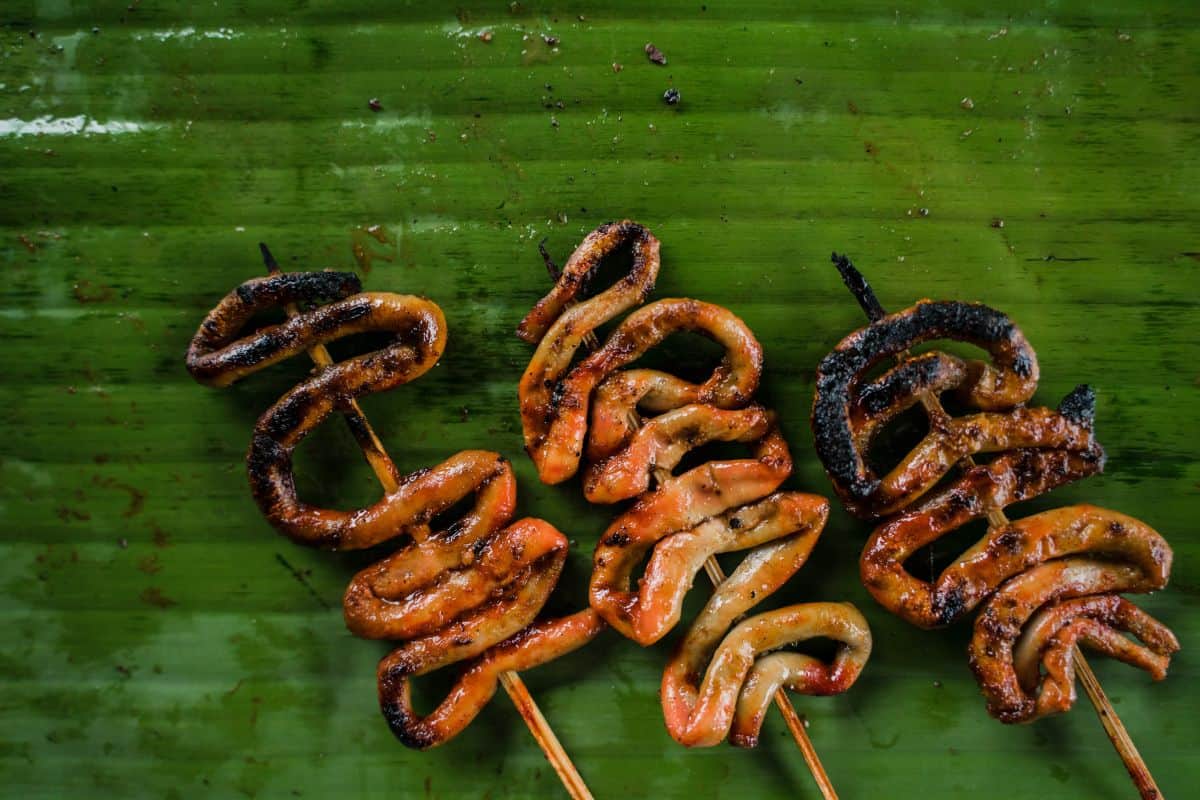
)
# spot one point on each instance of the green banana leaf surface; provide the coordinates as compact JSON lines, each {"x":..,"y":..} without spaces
{"x":159,"y":639}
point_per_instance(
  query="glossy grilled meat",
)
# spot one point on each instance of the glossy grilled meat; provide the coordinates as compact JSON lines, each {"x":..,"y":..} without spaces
{"x":220,"y":354}
{"x":467,"y":592}
{"x":721,"y":679}
{"x":849,"y":410}
{"x":1046,"y":582}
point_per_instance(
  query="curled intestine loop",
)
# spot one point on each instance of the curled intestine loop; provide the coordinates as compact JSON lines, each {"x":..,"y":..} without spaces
{"x":1046,"y":582}
{"x":629,"y":428}
{"x":468,"y":592}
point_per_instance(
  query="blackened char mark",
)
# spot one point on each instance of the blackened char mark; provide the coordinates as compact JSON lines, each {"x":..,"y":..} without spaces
{"x":405,"y":725}
{"x":629,"y":234}
{"x":926,"y":372}
{"x":841,"y":369}
{"x":952,"y":605}
{"x":618,"y":539}
{"x":291,"y":287}
{"x":1080,"y":405}
{"x":226,"y":322}
{"x":265,"y":459}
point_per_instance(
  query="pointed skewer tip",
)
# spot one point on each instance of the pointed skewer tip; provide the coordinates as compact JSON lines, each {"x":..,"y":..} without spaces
{"x":551,"y":267}
{"x":856,"y":282}
{"x":268,"y":259}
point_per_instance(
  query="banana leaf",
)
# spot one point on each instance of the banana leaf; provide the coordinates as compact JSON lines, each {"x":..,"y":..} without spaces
{"x":160,"y":640}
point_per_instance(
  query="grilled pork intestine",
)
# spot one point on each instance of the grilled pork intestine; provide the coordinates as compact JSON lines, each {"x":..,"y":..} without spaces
{"x":1046,"y":582}
{"x":468,"y":592}
{"x":632,"y":427}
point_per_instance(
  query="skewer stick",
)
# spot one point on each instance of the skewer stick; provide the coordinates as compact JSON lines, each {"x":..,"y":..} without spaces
{"x":1143,"y":781}
{"x":389,"y":476}
{"x":717,"y":576}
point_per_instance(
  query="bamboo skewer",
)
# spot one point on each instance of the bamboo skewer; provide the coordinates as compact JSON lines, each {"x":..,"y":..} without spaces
{"x":717,"y":576}
{"x":389,"y":477}
{"x":1143,"y":781}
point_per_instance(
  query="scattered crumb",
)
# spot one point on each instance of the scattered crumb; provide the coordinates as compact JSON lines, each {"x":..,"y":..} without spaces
{"x":671,"y":96}
{"x":967,"y":103}
{"x":85,"y":293}
{"x":155,"y":597}
{"x":374,"y":104}
{"x":655,"y":55}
